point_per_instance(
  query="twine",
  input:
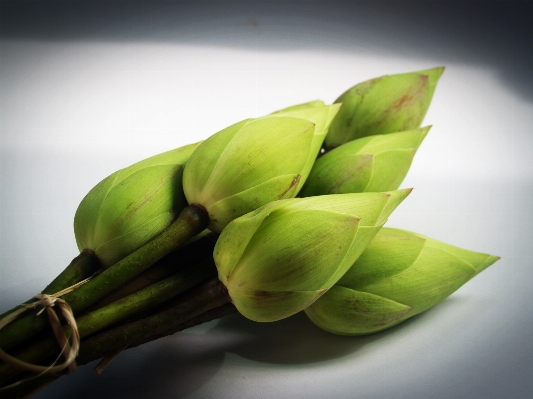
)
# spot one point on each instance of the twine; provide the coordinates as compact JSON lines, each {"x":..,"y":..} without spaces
{"x":69,"y":350}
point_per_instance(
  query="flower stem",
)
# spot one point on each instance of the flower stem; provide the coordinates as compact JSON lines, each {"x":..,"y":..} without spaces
{"x":191,"y":221}
{"x":210,"y":295}
{"x":33,"y":385}
{"x":118,"y":311}
{"x":82,"y":266}
{"x":187,"y":256}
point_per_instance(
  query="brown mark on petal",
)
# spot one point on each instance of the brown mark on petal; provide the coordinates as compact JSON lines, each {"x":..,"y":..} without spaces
{"x":292,"y":186}
{"x":350,"y":173}
{"x":377,"y":321}
{"x":423,"y":82}
{"x":158,"y":186}
{"x":404,"y":99}
{"x":321,"y":292}
{"x":388,"y":320}
{"x":413,"y":93}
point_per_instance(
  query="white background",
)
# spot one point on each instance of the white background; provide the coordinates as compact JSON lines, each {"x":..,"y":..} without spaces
{"x":88,"y":88}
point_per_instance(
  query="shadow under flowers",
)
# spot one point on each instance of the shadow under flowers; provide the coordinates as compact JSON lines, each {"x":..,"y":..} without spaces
{"x":168,"y":368}
{"x":179,"y":365}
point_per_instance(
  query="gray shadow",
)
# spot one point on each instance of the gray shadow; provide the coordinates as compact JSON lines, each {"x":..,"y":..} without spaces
{"x":177,"y":366}
{"x":296,"y":340}
{"x":495,"y":34}
{"x":186,"y":361}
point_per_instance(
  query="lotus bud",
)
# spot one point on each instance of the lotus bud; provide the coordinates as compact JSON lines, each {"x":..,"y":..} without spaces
{"x":254,"y":162}
{"x":279,"y":259}
{"x":374,"y":163}
{"x":399,"y":275}
{"x":383,"y":105}
{"x":131,"y":206}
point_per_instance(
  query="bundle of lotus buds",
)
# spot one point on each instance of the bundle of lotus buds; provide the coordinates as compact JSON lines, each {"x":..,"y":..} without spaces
{"x":268,"y":217}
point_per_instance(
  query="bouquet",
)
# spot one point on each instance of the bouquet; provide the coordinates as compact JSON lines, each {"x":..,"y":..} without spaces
{"x":268,"y":217}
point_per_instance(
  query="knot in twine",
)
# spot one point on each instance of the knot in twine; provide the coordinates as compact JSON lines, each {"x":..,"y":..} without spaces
{"x":69,"y":350}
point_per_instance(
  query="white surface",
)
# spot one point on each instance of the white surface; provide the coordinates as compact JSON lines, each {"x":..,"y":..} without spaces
{"x":74,"y":111}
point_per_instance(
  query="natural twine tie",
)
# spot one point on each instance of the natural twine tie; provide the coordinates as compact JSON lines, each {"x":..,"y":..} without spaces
{"x":69,"y":350}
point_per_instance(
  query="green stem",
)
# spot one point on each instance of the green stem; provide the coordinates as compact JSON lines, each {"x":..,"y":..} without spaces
{"x":115,"y":312}
{"x":32,"y":385}
{"x":208,"y":296}
{"x":190,"y":254}
{"x":191,"y":221}
{"x":82,"y":266}
{"x":145,"y":299}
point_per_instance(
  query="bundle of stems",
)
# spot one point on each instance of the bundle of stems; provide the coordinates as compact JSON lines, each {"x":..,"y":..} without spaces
{"x":147,"y":264}
{"x":177,"y":292}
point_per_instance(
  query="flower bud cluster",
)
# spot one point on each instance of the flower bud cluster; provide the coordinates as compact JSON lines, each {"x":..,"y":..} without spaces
{"x":399,"y":275}
{"x":277,"y":254}
{"x":256,"y":161}
{"x":277,"y":260}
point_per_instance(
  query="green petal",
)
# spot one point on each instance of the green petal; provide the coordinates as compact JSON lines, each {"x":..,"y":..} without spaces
{"x":390,"y":168}
{"x":435,"y":275}
{"x":477,"y":260}
{"x":93,"y":217}
{"x":372,"y":208}
{"x":261,"y":150}
{"x":127,"y":206}
{"x":277,"y":188}
{"x":204,"y":159}
{"x":117,"y":248}
{"x":376,"y":163}
{"x":88,"y":211}
{"x":342,"y":175}
{"x":321,"y":116}
{"x":390,"y":252}
{"x":409,"y":139}
{"x":399,"y":268}
{"x":120,"y":207}
{"x":383,"y":105}
{"x":292,"y":252}
{"x":177,"y":156}
{"x":395,"y":199}
{"x":296,"y":246}
{"x":235,"y":238}
{"x":272,"y":306}
{"x":347,"y":312}
{"x":365,"y":234}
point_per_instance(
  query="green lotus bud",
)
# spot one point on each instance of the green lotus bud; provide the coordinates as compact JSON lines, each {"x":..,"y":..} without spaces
{"x":279,"y":259}
{"x":254,"y":162}
{"x":375,"y":163}
{"x":399,"y":275}
{"x":321,"y":120}
{"x":383,"y":105}
{"x":131,"y":206}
